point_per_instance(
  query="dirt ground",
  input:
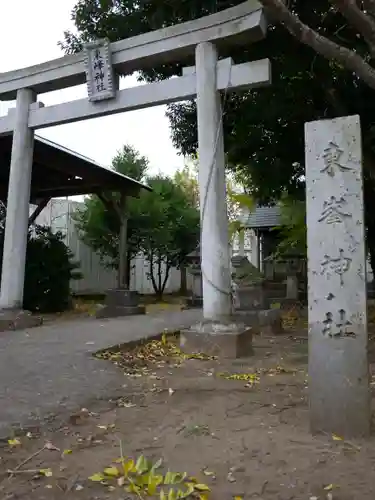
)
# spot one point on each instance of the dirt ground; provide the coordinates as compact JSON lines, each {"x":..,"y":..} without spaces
{"x":243,"y":438}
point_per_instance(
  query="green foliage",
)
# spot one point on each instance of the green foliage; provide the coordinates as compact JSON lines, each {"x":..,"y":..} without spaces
{"x":99,"y":225}
{"x":187,"y":180}
{"x":128,"y":161}
{"x":164,"y":223}
{"x":99,"y":229}
{"x":49,"y":269}
{"x":264,"y":129}
{"x":143,"y":478}
{"x":169,"y":226}
{"x":293,"y":231}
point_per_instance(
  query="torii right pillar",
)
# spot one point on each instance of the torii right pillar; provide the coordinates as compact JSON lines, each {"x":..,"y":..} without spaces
{"x":338,"y":360}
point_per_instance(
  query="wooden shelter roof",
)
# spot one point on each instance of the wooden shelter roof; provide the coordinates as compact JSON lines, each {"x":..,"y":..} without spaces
{"x":58,"y":171}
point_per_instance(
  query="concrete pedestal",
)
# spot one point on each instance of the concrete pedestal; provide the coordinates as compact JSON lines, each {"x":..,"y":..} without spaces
{"x":249,"y":298}
{"x":251,"y":308}
{"x":16,"y":319}
{"x":120,"y":302}
{"x":265,"y":321}
{"x":230,"y":340}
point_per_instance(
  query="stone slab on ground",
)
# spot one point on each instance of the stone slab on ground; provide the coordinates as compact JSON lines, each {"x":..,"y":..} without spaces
{"x":215,"y":339}
{"x":113,"y":311}
{"x":50,"y":369}
{"x":120,"y":302}
{"x":11,"y":319}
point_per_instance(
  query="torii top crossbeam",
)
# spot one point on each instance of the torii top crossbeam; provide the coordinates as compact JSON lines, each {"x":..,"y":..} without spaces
{"x":244,"y":23}
{"x":99,"y":64}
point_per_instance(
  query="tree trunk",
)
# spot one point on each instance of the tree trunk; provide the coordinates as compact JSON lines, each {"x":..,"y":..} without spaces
{"x":183,"y":278}
{"x":351,"y":60}
{"x":160,"y":280}
{"x":123,"y":269}
{"x":128,"y":269}
{"x":167,"y":271}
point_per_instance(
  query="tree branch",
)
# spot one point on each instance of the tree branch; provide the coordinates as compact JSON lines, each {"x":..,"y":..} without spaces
{"x":110,"y":205}
{"x":322,"y":45}
{"x":369,"y":6}
{"x":363,"y":23}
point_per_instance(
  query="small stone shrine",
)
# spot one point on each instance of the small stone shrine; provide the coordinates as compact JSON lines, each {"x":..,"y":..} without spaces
{"x":249,"y":297}
{"x":194,"y":262}
{"x":247,"y":282}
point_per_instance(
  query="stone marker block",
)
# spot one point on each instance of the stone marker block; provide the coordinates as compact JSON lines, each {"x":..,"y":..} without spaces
{"x":338,"y":363}
{"x":230,"y":340}
{"x":13,"y":319}
{"x":266,"y":321}
{"x":120,"y":302}
{"x":292,"y":291}
{"x":249,"y":298}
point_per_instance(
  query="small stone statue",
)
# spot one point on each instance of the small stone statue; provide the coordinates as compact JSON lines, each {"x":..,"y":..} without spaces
{"x":247,"y":285}
{"x":245,"y":273}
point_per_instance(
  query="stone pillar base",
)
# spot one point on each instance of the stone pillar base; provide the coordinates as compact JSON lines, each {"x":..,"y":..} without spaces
{"x":120,"y":302}
{"x":18,"y":319}
{"x":231,"y":340}
{"x":194,"y":302}
{"x":267,"y":321}
{"x":250,"y":297}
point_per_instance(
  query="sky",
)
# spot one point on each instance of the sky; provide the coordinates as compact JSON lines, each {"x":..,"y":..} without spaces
{"x":31,"y":31}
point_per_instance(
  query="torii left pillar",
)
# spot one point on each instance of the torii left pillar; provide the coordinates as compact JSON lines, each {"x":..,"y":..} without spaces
{"x":12,"y":315}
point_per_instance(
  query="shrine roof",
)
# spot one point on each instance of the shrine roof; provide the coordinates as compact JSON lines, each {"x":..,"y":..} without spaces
{"x":58,"y":171}
{"x":262,"y":217}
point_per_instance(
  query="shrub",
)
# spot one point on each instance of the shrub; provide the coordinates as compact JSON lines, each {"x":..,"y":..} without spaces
{"x":49,"y":269}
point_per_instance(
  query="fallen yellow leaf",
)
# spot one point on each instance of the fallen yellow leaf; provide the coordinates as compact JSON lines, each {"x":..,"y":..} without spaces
{"x":111,"y":471}
{"x":331,"y":487}
{"x":201,"y":487}
{"x":335,"y":437}
{"x":14,"y":442}
{"x":67,"y":452}
{"x":97,"y":478}
{"x":45,"y":472}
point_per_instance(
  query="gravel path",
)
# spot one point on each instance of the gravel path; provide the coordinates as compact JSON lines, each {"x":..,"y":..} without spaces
{"x":47,"y":370}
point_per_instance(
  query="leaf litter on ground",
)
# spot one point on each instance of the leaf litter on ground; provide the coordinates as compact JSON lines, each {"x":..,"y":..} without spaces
{"x":138,"y":361}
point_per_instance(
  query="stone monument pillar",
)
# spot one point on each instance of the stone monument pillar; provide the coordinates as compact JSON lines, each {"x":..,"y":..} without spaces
{"x":338,"y":364}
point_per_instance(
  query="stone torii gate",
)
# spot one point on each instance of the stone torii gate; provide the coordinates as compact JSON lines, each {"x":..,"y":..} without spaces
{"x":99,"y":65}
